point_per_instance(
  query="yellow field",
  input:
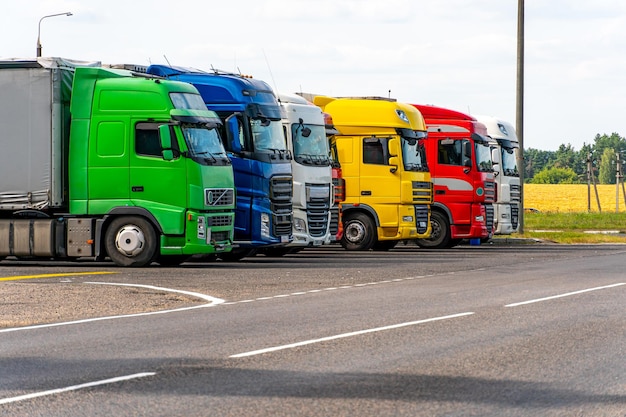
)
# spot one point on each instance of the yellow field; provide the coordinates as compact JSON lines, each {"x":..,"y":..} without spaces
{"x":568,"y":198}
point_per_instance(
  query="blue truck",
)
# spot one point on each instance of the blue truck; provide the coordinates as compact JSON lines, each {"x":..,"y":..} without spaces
{"x":256,"y":146}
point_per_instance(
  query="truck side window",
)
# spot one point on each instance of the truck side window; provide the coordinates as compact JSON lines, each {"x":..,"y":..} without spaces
{"x":450,"y":152}
{"x":373,"y":152}
{"x":147,"y":140}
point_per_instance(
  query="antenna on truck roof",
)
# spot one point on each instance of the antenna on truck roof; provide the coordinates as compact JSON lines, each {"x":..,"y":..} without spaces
{"x":270,"y":70}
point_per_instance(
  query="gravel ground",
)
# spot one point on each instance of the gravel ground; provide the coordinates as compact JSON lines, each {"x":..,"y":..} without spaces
{"x":25,"y":304}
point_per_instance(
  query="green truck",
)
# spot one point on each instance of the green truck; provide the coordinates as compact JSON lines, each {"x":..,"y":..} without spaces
{"x":103,"y":163}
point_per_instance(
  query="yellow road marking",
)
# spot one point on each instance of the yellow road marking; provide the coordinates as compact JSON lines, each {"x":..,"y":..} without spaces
{"x":68,"y":274}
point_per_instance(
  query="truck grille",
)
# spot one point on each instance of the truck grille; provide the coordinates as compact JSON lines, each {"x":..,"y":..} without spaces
{"x":281,"y":191}
{"x":317,"y":208}
{"x":220,"y":236}
{"x":490,"y":191}
{"x":422,"y":192}
{"x":421,"y":216}
{"x":215,"y":197}
{"x":514,"y":215}
{"x":515,"y":192}
{"x":220,"y":220}
{"x":490,"y":215}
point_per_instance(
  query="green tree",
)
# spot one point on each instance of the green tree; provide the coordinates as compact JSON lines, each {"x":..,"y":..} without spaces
{"x":606,"y":174}
{"x":564,"y":157}
{"x":556,"y":175}
{"x":602,"y":142}
{"x":536,"y":160}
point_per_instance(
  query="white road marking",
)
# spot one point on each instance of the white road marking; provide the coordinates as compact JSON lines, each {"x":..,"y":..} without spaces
{"x":212,"y":301}
{"x":565,"y":295}
{"x":345,"y":335}
{"x":345,"y":287}
{"x":75,"y":387}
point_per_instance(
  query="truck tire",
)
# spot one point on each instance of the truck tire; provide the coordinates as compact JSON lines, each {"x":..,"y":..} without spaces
{"x":131,"y":241}
{"x":440,"y":235}
{"x":359,"y":232}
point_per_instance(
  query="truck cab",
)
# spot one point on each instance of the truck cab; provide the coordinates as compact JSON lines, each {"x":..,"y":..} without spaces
{"x":504,"y":148}
{"x":387,"y":184}
{"x":305,"y":134}
{"x":459,"y":158}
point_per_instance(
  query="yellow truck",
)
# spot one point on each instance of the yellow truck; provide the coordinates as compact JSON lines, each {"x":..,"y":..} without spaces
{"x":388,"y":191}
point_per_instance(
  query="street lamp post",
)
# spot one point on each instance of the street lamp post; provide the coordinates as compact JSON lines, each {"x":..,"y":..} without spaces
{"x":39,"y":29}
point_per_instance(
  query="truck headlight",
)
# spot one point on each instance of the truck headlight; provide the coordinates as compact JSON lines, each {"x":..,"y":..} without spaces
{"x":201,"y":227}
{"x":407,"y":219}
{"x":265,"y":224}
{"x":299,"y":225}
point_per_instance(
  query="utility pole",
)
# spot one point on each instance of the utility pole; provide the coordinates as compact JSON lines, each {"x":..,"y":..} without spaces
{"x":618,"y":180}
{"x":519,"y":119}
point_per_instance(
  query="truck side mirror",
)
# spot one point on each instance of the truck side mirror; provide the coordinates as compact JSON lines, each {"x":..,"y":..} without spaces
{"x":232,"y":133}
{"x":394,"y":147}
{"x":394,"y":150}
{"x":394,"y":162}
{"x":165,"y":137}
{"x":495,"y":156}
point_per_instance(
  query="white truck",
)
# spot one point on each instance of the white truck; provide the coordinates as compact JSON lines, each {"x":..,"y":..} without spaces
{"x":504,"y":146}
{"x":305,"y":133}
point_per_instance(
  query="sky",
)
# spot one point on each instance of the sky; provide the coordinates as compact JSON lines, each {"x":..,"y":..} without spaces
{"x":459,"y":54}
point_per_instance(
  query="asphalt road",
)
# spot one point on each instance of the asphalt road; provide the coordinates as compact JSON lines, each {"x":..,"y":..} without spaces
{"x":522,"y":330}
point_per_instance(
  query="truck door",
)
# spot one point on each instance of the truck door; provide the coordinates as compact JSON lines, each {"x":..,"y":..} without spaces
{"x":379,"y":187}
{"x":107,"y":167}
{"x":157,"y":184}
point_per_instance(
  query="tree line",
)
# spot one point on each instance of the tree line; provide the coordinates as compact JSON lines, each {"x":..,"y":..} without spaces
{"x":569,"y":166}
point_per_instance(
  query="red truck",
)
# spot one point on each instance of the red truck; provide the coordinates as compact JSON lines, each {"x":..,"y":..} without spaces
{"x":459,"y":159}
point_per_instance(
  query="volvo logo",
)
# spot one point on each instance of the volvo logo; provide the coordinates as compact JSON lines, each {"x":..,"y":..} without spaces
{"x":209,"y":197}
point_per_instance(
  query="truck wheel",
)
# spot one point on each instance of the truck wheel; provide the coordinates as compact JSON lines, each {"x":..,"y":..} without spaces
{"x":359,"y":232}
{"x":131,"y":241}
{"x":440,"y":235}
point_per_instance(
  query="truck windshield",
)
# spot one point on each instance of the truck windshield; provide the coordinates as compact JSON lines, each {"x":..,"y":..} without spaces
{"x":205,"y":145}
{"x":509,"y":164}
{"x":310,"y":146}
{"x":187,"y":101}
{"x":267,"y":134}
{"x":414,"y":155}
{"x":483,"y":157}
